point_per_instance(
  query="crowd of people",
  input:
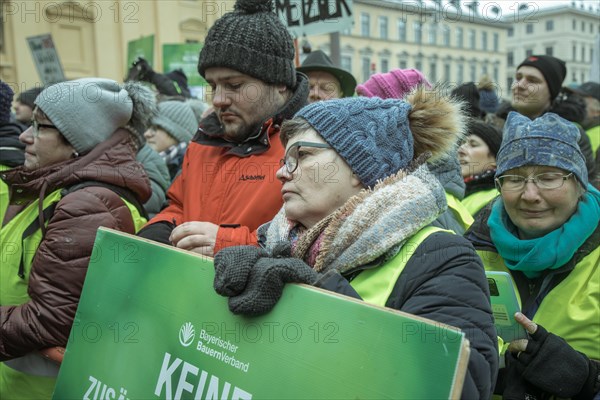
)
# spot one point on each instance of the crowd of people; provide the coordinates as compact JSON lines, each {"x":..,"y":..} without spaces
{"x":431,"y":188}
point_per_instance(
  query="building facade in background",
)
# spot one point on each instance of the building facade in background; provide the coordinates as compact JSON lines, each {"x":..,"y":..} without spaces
{"x":452,"y":42}
{"x":568,"y":32}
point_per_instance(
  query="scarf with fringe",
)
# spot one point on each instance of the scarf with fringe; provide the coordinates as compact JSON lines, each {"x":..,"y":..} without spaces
{"x":370,"y":227}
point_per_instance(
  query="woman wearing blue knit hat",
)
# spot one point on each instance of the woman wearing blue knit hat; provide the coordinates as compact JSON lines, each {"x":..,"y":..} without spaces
{"x":358,"y":200}
{"x":544,"y":231}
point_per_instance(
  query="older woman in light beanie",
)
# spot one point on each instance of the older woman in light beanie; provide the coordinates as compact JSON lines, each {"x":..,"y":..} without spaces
{"x":358,"y":201}
{"x":544,"y":230}
{"x":79,"y":174}
{"x":170,"y":132}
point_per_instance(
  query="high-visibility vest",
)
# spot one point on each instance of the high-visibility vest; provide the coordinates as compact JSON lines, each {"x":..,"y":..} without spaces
{"x":375,"y":285}
{"x":476,"y":201}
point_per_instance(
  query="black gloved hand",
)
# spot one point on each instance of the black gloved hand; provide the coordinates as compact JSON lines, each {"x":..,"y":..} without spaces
{"x":517,"y":388}
{"x":254,"y":281}
{"x":145,"y":71}
{"x":552,"y":365}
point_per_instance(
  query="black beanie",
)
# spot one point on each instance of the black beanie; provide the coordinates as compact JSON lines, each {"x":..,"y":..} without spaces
{"x":251,"y":40}
{"x":491,"y":135}
{"x":553,"y":69}
{"x":28,"y":97}
{"x":468,"y":93}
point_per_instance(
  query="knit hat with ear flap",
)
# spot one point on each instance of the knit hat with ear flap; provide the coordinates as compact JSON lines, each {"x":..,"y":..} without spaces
{"x":88,"y":111}
{"x":251,"y":40}
{"x":378,"y":138}
{"x":177,"y":119}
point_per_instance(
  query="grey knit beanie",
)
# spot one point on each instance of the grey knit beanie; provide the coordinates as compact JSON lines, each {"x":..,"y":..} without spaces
{"x":177,"y":119}
{"x":371,"y":134}
{"x":251,"y":40}
{"x":548,"y":140}
{"x":88,"y":111}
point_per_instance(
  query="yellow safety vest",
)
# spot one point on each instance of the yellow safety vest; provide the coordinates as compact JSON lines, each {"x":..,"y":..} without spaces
{"x":375,"y":285}
{"x":572,"y":309}
{"x":476,"y":201}
{"x":30,"y":376}
{"x":460,"y":211}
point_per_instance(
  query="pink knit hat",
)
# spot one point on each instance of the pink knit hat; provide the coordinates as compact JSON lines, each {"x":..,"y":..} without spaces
{"x":392,"y":85}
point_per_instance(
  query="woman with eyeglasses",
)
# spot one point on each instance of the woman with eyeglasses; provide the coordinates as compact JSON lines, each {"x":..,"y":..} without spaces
{"x":80,"y":173}
{"x":544,"y":231}
{"x":359,"y":201}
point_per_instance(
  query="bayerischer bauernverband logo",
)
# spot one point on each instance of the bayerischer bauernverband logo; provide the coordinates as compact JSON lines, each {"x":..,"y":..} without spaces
{"x":186,"y":334}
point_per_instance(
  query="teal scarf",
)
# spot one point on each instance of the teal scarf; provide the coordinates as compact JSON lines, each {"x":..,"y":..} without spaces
{"x":551,"y":251}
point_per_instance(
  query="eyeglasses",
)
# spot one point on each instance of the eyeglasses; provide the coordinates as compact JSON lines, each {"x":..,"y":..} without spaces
{"x":547,"y":180}
{"x":292,"y":155}
{"x":36,"y":127}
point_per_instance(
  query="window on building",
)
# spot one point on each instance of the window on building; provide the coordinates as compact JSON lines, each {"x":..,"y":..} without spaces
{"x":528,"y":52}
{"x":365,"y":25}
{"x":402,"y":64}
{"x":550,"y":25}
{"x":383,"y":27}
{"x":366,"y":68}
{"x":447,"y":72}
{"x":446,"y":35}
{"x":496,"y":73}
{"x":419,"y":64}
{"x":582,"y":53}
{"x":484,"y":69}
{"x":472,"y":73}
{"x":574,"y":77}
{"x":433,"y":28}
{"x":484,"y":43}
{"x":460,"y":71}
{"x":509,"y":82}
{"x":433,"y":71}
{"x":385,"y":65}
{"x":510,"y":32}
{"x":549,"y":51}
{"x":401,"y":30}
{"x":591,"y":54}
{"x":418,"y":32}
{"x":529,"y":28}
{"x":574,"y":25}
{"x":574,"y":53}
{"x":582,"y":26}
{"x":510,"y":59}
{"x":496,"y":42}
{"x":591,"y":27}
{"x":472,"y":38}
{"x":459,"y":38}
{"x":346,"y":63}
{"x":582,"y":77}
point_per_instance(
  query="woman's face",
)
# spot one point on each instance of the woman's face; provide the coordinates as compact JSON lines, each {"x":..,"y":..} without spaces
{"x":44,"y":145}
{"x":475,"y":157}
{"x":158,"y":139}
{"x":537,"y":212}
{"x":321,"y":183}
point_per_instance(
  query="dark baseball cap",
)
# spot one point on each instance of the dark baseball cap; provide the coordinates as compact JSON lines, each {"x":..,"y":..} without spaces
{"x":589,"y":89}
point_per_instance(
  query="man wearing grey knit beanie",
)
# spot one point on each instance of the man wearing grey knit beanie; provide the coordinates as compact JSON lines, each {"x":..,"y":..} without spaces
{"x":227,"y":186}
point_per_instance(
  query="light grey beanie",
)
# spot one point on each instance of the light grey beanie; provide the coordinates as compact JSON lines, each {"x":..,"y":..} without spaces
{"x":86,"y":111}
{"x":178,"y":119}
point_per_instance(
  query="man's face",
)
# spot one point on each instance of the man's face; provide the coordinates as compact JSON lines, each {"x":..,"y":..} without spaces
{"x":531,"y":95}
{"x":242,"y":103}
{"x":23,"y":112}
{"x":323,"y":86}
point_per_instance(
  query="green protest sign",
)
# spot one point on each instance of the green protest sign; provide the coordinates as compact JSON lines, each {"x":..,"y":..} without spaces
{"x":184,"y":56}
{"x":149,"y":325}
{"x":142,"y":47}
